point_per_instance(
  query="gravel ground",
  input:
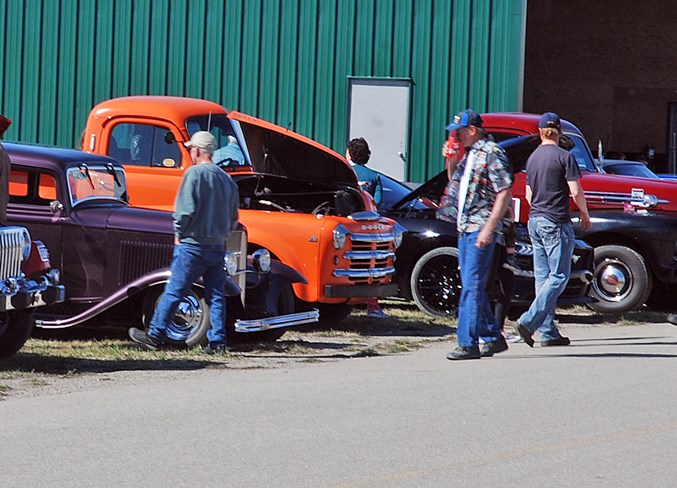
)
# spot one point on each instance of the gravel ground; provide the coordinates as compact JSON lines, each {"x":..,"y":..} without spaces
{"x":49,"y":366}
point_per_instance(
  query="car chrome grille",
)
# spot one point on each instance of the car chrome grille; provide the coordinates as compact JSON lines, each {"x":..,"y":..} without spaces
{"x":140,"y":258}
{"x":11,"y":255}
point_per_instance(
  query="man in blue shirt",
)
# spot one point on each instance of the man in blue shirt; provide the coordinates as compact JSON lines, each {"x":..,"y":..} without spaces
{"x":206,"y":212}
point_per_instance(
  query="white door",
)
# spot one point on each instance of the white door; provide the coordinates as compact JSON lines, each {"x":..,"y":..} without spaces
{"x":379,"y":112}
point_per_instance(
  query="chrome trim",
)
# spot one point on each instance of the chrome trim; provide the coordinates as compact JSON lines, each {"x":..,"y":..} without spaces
{"x":378,"y":238}
{"x":364,"y":273}
{"x":365,"y":216}
{"x":647,"y":201}
{"x":367,"y":255}
{"x":35,"y":297}
{"x":277,"y":322}
{"x":12,"y":243}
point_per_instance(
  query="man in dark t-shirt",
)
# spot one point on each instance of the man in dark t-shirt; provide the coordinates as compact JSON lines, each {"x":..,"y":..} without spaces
{"x":552,"y":173}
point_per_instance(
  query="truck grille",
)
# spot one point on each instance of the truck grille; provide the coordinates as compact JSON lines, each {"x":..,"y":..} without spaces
{"x":12,"y":241}
{"x":140,"y":258}
{"x":370,"y":257}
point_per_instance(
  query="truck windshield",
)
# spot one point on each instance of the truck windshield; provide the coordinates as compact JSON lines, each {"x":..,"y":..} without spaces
{"x":228,"y":152}
{"x":581,"y":153}
{"x":92,"y":182}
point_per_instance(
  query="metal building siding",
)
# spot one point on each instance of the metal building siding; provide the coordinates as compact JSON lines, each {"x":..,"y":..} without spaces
{"x":284,"y":61}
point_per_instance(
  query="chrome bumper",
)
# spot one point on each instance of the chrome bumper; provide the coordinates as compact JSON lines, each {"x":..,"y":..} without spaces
{"x":277,"y":322}
{"x":31,"y":298}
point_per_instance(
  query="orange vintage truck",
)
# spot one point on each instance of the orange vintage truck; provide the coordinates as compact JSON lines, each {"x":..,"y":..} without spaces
{"x":298,"y":198}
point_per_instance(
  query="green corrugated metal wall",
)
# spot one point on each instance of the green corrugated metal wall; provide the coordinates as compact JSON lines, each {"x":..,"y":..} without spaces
{"x":287,"y":61}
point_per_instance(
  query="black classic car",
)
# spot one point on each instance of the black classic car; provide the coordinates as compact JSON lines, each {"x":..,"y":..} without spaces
{"x":115,"y":258}
{"x":427,"y":261}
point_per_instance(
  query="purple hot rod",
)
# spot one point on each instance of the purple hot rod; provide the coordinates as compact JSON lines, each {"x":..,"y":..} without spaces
{"x":115,"y":258}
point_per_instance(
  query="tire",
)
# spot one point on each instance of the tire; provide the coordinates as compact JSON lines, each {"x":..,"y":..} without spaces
{"x":621,"y":281}
{"x":15,"y":329}
{"x":436,"y":282}
{"x":332,"y":314}
{"x":285,"y":305}
{"x":191,"y":323}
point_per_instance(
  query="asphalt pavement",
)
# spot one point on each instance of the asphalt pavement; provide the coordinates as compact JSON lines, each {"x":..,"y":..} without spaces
{"x":599,"y":413}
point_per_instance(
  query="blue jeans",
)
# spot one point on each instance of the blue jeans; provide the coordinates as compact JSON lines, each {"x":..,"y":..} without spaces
{"x":190,"y":262}
{"x":475,"y":316}
{"x":553,"y":246}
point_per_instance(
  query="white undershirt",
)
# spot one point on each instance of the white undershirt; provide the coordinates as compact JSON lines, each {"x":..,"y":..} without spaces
{"x":463,"y":187}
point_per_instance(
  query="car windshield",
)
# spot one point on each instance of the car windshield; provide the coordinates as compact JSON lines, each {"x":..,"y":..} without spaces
{"x":95,"y":182}
{"x":393,"y":191}
{"x":228,"y":152}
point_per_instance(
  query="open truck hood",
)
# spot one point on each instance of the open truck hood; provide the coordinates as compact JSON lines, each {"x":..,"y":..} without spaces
{"x":282,"y":152}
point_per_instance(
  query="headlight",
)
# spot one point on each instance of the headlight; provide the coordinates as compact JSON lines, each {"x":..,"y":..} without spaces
{"x":261,"y":260}
{"x":26,"y":244}
{"x":54,"y":276}
{"x":398,"y":232}
{"x":230,"y":263}
{"x":339,"y":236}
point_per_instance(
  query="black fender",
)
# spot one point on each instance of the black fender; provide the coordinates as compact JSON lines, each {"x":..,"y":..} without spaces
{"x":264,"y":289}
{"x":279,"y":269}
{"x":139,"y":285}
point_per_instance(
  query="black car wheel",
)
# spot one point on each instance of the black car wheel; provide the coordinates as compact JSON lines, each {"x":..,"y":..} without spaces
{"x":622,"y":281}
{"x":191,"y":322}
{"x":15,"y":329}
{"x":436,"y":283}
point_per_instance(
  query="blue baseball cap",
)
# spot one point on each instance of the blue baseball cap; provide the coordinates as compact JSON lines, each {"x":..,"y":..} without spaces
{"x":465,"y":119}
{"x":550,"y":120}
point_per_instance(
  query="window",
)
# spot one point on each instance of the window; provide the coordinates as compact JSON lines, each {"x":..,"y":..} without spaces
{"x":31,"y":187}
{"x":144,"y":145}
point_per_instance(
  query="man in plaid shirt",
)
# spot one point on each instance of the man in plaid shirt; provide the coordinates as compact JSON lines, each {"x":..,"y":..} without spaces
{"x":481,"y":185}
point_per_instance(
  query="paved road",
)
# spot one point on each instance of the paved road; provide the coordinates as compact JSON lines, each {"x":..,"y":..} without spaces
{"x":599,"y":413}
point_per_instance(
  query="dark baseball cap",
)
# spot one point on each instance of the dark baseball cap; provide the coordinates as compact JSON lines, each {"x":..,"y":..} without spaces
{"x":465,"y":119}
{"x":550,"y":120}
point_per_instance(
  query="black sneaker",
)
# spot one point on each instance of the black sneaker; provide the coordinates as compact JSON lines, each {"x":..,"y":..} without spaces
{"x":144,"y":340}
{"x":461,"y":352}
{"x":672,"y":318}
{"x":491,"y":348}
{"x":525,"y":334}
{"x":212,"y":349}
{"x":560,"y":341}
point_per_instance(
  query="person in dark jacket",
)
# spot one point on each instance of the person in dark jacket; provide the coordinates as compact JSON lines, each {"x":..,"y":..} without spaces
{"x":206,"y":212}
